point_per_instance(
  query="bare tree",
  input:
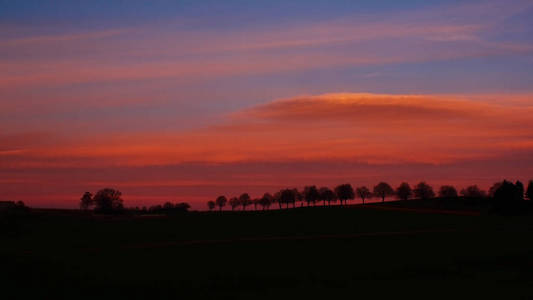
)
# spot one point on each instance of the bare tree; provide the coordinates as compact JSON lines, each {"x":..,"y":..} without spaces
{"x":383,"y":190}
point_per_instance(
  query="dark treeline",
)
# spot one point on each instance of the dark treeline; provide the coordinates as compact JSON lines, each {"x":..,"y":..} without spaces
{"x":110,"y":201}
{"x":501,"y":195}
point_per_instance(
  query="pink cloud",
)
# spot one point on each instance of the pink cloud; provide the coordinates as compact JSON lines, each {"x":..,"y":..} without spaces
{"x":368,"y":128}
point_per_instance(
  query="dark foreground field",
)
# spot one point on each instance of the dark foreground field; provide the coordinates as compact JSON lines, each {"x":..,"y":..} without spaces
{"x":300,"y":253}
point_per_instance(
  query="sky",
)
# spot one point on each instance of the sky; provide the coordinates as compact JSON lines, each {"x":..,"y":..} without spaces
{"x":187,"y":100}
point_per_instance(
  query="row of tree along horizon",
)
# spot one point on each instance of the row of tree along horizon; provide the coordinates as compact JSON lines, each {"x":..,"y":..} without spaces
{"x":110,"y":200}
{"x":505,"y":190}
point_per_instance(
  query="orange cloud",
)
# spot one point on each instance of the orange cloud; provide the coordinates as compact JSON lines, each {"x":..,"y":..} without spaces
{"x":369,"y":128}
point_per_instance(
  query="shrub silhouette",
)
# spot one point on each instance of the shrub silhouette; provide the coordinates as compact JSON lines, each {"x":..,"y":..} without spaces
{"x":383,"y":190}
{"x":404,"y":191}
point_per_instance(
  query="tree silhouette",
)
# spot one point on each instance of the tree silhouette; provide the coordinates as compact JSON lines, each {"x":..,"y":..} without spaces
{"x":423,"y":191}
{"x":404,"y":191}
{"x":344,"y":192}
{"x":363,"y":192}
{"x":221,"y":202}
{"x":507,"y":193}
{"x":211,"y":205}
{"x":383,"y":190}
{"x":277,"y":198}
{"x":245,"y":200}
{"x":519,"y":189}
{"x":529,"y":191}
{"x":473,"y":191}
{"x":266,"y":200}
{"x":311,"y":194}
{"x":108,"y":201}
{"x":298,"y":197}
{"x":156,"y":208}
{"x":256,"y":201}
{"x":492,"y":189}
{"x":86,"y":201}
{"x":447,"y":191}
{"x":234,"y":202}
{"x":287,"y":196}
{"x":327,"y":195}
{"x":168,"y":206}
{"x":181,"y":207}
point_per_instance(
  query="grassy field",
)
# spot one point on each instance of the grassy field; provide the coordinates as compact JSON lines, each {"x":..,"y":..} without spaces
{"x":305,"y":252}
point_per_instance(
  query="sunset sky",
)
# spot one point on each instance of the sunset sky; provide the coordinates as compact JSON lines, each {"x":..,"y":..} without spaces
{"x":186,"y":100}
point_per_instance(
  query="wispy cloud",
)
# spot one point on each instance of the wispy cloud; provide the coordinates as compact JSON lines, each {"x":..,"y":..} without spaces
{"x":36,"y":40}
{"x":147,"y":53}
